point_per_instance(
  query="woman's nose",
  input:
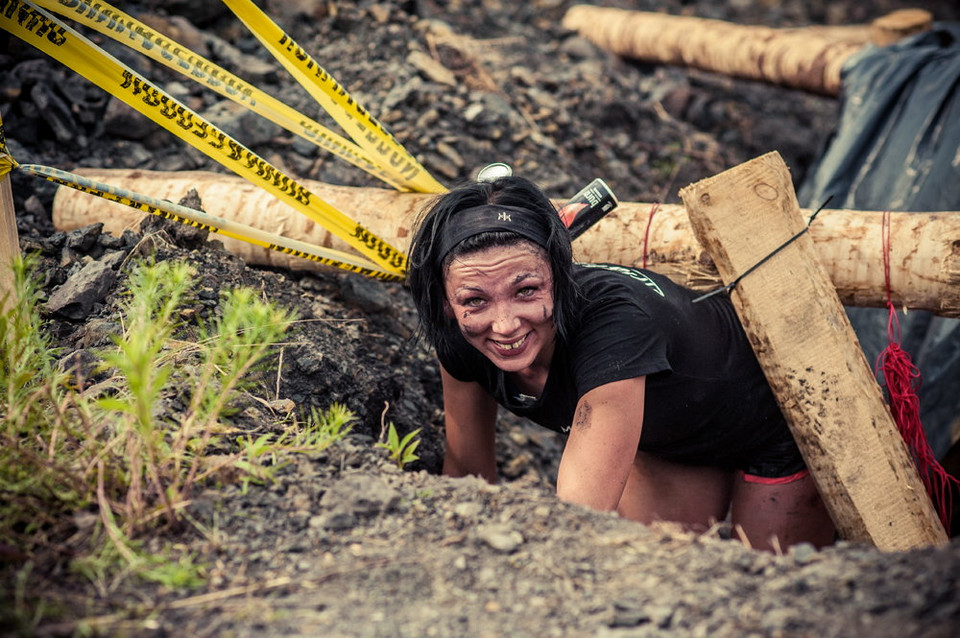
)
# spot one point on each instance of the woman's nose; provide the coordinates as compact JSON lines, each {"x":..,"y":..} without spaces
{"x":505,"y":321}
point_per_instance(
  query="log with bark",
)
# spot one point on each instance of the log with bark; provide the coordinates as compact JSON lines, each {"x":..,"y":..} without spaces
{"x":809,"y":58}
{"x":924,"y":247}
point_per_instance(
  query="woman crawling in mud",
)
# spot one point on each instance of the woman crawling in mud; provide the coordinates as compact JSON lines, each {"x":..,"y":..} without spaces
{"x":667,"y":413}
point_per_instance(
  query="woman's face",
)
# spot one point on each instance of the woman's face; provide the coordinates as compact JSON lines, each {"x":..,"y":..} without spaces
{"x":502,"y":299}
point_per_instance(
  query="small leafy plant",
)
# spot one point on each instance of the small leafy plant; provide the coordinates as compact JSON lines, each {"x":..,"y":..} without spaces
{"x":323,"y":428}
{"x":402,"y":450}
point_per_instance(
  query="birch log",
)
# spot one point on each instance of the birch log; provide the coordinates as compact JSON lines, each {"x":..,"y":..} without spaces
{"x":925,"y":247}
{"x":809,"y":58}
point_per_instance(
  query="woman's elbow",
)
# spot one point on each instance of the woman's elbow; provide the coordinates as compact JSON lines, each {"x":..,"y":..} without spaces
{"x":576,"y":495}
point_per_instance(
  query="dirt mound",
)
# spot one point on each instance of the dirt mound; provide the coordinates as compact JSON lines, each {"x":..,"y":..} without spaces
{"x":343,"y":543}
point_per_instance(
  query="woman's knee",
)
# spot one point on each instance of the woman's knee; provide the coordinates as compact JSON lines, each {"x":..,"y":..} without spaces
{"x":768,"y":515}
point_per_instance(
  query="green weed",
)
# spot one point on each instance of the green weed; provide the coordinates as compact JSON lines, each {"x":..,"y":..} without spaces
{"x":90,"y":466}
{"x":115,"y":454}
{"x":323,"y":428}
{"x":402,"y":450}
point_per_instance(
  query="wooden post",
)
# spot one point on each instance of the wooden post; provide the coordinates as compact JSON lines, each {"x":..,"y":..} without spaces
{"x":9,"y":240}
{"x":811,"y":357}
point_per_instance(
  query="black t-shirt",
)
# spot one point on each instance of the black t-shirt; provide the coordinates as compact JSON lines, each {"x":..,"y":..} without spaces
{"x":707,"y":400}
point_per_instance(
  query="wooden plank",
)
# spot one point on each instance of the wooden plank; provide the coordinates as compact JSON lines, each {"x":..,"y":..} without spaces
{"x":811,"y":356}
{"x":9,"y":240}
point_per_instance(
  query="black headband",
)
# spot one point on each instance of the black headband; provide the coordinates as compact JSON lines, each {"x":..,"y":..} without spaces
{"x":492,"y":217}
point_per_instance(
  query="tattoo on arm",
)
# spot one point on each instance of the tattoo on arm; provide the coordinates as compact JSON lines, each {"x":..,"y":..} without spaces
{"x":581,"y":420}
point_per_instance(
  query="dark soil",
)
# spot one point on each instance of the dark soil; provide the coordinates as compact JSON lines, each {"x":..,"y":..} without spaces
{"x":345,"y":544}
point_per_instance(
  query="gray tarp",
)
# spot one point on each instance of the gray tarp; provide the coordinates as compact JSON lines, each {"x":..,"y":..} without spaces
{"x":897,"y":148}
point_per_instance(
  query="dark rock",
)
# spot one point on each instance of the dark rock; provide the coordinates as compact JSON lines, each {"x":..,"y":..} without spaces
{"x":241,"y":124}
{"x":337,"y":520}
{"x":81,"y":365}
{"x":130,"y":154}
{"x":129,"y":238}
{"x":365,"y":293}
{"x":75,"y":298}
{"x":52,"y":244}
{"x":360,"y":494}
{"x":309,"y":359}
{"x":100,"y":332}
{"x":10,"y":87}
{"x":579,"y":48}
{"x":113,"y":258}
{"x":249,"y":67}
{"x":111,"y":242}
{"x":183,"y":235}
{"x":33,"y":206}
{"x":83,"y":239}
{"x":34,"y":71}
{"x":56,"y":113}
{"x":125,"y":122}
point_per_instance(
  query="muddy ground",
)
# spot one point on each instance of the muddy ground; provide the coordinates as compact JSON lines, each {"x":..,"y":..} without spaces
{"x":343,"y":543}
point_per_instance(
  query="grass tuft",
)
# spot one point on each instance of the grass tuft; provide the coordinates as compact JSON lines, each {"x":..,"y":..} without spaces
{"x":92,"y":468}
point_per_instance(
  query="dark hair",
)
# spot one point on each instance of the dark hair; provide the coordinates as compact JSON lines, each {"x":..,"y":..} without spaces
{"x":427,"y":267}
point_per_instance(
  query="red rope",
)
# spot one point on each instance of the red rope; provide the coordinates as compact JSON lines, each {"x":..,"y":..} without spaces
{"x":646,"y":234}
{"x":902,"y":380}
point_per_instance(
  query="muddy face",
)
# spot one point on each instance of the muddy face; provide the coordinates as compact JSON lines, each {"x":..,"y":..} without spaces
{"x":502,"y":299}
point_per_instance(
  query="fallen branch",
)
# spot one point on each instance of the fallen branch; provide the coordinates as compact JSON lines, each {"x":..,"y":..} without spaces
{"x":925,"y":258}
{"x":809,"y":58}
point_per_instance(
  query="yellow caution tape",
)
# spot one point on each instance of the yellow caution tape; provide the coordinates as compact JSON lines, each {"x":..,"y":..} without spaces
{"x":7,"y":163}
{"x":356,"y":121}
{"x":212,"y":223}
{"x":127,"y":30}
{"x":42,"y":30}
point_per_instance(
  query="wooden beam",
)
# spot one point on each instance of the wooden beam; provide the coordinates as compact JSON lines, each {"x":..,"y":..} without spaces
{"x":9,"y":239}
{"x":924,"y":273}
{"x":811,"y":357}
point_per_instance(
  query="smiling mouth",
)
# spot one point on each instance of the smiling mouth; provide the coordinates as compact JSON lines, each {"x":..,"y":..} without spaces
{"x":513,"y":345}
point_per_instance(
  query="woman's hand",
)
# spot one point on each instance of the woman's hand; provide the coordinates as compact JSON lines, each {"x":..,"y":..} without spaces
{"x":470,"y":415}
{"x":602,"y":445}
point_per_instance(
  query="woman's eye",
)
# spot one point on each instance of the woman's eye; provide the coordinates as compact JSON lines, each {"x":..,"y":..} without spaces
{"x":526,"y":291}
{"x":473,"y":302}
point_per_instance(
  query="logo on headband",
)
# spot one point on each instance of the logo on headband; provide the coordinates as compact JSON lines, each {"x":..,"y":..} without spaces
{"x":504,"y":217}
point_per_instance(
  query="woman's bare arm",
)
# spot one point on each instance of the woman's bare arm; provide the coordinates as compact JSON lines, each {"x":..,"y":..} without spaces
{"x":602,"y":445}
{"x":470,"y":415}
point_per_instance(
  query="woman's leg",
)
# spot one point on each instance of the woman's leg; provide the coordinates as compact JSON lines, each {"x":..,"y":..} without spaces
{"x":659,"y":490}
{"x":792,"y":512}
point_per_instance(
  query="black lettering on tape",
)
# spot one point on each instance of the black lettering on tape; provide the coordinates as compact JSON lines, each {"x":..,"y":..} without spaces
{"x":34,"y":21}
{"x":199,"y":128}
{"x":236,"y":151}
